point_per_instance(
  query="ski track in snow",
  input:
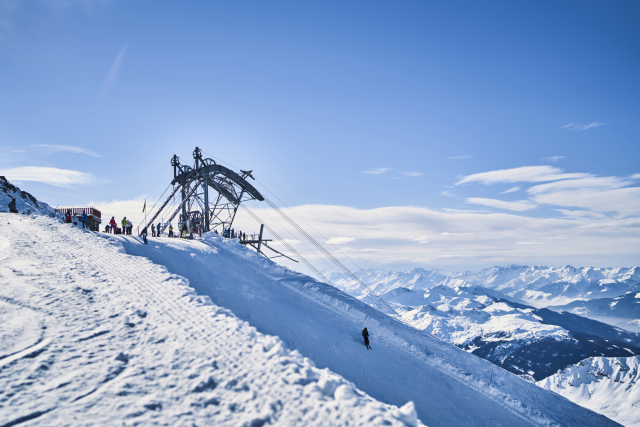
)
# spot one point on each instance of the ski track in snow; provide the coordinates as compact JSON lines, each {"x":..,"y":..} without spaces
{"x":93,"y":336}
{"x":448,"y":385}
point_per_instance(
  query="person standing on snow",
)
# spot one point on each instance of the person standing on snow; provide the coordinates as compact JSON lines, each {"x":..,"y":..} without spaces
{"x":365,"y":335}
{"x":158,"y":233}
{"x":12,"y":206}
{"x":129,"y":227}
{"x":144,"y":235}
{"x":124,"y":225}
{"x":84,"y":220}
{"x":184,"y":231}
{"x":112,"y":223}
{"x":170,"y":230}
{"x":153,"y":230}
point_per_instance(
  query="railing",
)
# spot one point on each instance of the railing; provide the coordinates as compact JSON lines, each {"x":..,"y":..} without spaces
{"x":90,"y":211}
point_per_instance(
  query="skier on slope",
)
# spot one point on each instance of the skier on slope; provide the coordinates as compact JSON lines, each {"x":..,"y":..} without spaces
{"x":112,"y":223}
{"x":84,"y":220}
{"x":158,"y":233}
{"x":153,"y":230}
{"x":365,"y":335}
{"x":184,"y":231}
{"x":170,"y":230}
{"x":144,"y":235}
{"x":124,"y":225}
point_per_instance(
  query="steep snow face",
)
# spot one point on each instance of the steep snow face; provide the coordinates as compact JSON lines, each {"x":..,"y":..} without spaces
{"x":610,"y":386}
{"x":448,"y":386}
{"x":92,"y":336}
{"x":526,"y":341}
{"x":24,"y":200}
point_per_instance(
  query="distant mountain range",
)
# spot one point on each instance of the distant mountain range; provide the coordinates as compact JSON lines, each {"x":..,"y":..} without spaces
{"x":622,"y":311}
{"x":533,"y":343}
{"x":560,"y":288}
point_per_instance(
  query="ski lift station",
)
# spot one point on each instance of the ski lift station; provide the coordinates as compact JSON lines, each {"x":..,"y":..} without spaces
{"x":207,"y":195}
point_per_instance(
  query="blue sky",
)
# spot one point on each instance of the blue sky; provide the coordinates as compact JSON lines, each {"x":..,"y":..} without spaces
{"x":313,"y":96}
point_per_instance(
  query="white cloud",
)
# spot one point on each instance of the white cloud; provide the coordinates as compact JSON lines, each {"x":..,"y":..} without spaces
{"x":52,"y":149}
{"x":459,"y":157}
{"x":51,"y":176}
{"x":511,"y":190}
{"x":552,"y":159}
{"x":521,"y":174}
{"x":378,"y":171}
{"x":459,"y":239}
{"x":520,"y":205}
{"x":113,"y":73}
{"x":528,"y":243}
{"x":447,"y":233}
{"x":578,"y":127}
{"x":412,"y":173}
{"x":421,"y":240}
{"x":340,"y":240}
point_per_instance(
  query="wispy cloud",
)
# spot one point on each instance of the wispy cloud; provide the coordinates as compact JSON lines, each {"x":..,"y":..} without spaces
{"x":113,"y":73}
{"x":459,"y":157}
{"x":521,"y":174}
{"x":51,"y":176}
{"x":378,"y":171}
{"x":421,"y":240}
{"x":585,"y":240}
{"x":52,"y":149}
{"x":528,"y":243}
{"x":552,"y":159}
{"x":520,"y":205}
{"x":340,"y":240}
{"x":412,"y":173}
{"x":511,"y":190}
{"x":579,"y":128}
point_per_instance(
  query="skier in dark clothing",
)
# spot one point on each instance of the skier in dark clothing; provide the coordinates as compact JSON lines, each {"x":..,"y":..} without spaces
{"x":365,"y":335}
{"x":12,"y":206}
{"x":144,"y":235}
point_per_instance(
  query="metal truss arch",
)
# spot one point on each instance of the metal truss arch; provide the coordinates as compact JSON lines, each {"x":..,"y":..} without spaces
{"x":192,"y":184}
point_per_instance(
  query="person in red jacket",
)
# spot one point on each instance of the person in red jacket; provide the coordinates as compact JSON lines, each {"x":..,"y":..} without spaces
{"x":112,"y":223}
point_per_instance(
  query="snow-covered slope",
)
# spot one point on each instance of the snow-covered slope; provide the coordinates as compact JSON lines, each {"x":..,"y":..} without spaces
{"x":622,"y":311}
{"x":92,"y":336}
{"x":610,"y":386}
{"x":447,"y":385}
{"x":519,"y":338}
{"x":23,"y":199}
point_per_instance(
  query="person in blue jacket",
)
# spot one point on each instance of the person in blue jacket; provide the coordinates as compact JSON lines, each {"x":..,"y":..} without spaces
{"x":84,"y":219}
{"x":159,"y":227}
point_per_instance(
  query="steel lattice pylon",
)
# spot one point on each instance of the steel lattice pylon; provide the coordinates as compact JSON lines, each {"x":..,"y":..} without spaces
{"x":197,"y":208}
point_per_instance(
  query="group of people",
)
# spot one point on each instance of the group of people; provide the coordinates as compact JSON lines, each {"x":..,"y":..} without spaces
{"x":112,"y":226}
{"x":73,"y":218}
{"x":230,"y":233}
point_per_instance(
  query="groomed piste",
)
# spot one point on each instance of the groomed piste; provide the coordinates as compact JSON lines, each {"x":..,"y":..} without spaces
{"x":208,"y":332}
